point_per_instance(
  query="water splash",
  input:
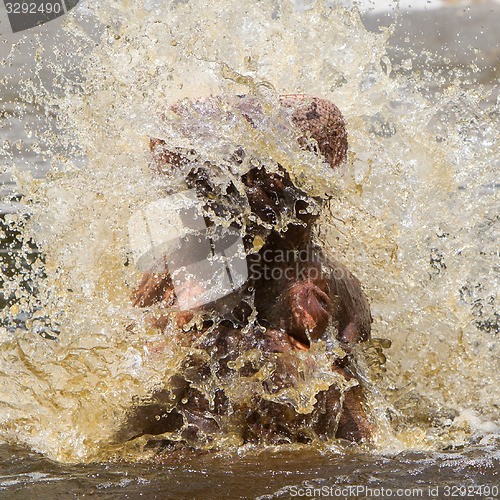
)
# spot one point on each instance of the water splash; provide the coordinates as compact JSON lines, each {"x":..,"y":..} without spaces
{"x":414,"y":215}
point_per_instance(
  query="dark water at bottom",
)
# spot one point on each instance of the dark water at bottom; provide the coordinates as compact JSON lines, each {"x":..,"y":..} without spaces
{"x":469,"y":473}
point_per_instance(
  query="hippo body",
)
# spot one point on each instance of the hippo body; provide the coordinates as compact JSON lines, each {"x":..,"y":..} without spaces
{"x":295,"y":297}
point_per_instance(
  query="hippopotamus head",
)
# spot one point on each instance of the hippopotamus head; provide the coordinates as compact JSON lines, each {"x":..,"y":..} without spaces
{"x":272,"y":199}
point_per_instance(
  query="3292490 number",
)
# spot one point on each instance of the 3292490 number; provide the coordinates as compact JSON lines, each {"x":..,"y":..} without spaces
{"x":470,"y":491}
{"x":33,"y":8}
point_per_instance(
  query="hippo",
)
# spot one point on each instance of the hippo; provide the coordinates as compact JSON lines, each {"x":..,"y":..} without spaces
{"x":251,"y":361}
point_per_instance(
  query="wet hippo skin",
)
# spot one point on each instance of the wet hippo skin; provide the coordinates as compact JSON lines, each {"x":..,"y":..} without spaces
{"x":298,"y":300}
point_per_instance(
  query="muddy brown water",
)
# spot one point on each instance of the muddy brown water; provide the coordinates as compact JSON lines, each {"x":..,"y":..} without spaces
{"x":470,"y":473}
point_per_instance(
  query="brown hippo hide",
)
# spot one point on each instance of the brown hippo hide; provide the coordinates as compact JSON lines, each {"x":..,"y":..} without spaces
{"x":295,"y":298}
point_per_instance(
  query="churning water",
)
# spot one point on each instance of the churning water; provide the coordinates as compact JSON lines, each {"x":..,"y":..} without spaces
{"x":414,"y":214}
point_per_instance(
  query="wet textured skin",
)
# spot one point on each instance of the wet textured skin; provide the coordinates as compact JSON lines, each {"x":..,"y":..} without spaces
{"x":310,"y":297}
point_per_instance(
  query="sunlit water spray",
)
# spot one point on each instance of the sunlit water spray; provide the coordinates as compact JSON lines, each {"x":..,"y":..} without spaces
{"x":414,"y":215}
